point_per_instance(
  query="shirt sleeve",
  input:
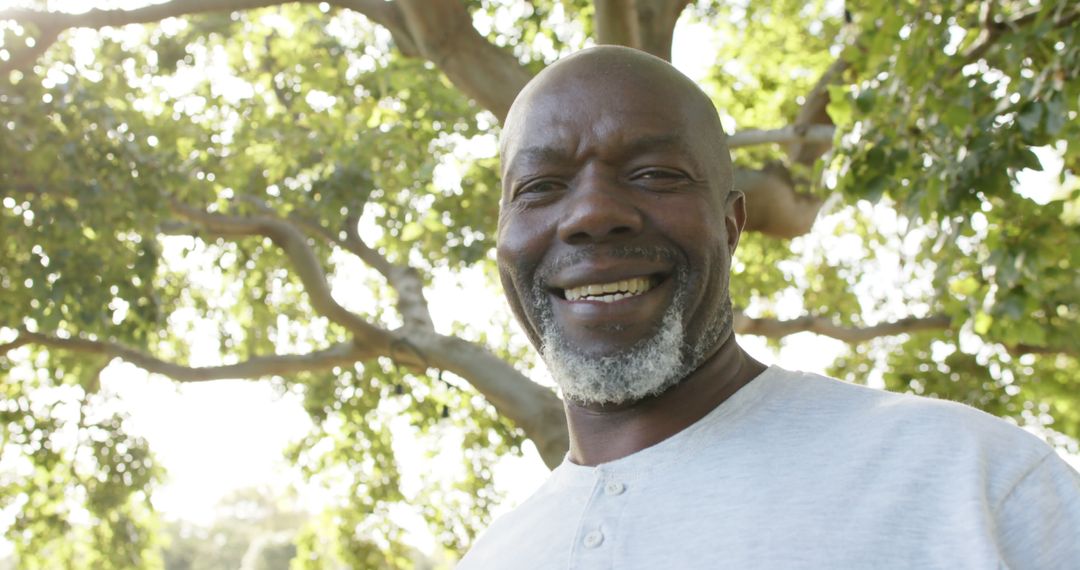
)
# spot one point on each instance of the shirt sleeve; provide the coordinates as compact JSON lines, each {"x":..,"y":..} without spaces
{"x":1038,"y":521}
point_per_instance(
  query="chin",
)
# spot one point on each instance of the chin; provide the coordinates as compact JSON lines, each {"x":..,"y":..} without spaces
{"x":645,"y":368}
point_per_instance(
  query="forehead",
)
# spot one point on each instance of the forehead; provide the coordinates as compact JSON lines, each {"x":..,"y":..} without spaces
{"x":620,"y":114}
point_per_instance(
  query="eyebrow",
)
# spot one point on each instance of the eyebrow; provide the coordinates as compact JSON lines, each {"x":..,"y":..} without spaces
{"x":541,"y":153}
{"x":663,"y":142}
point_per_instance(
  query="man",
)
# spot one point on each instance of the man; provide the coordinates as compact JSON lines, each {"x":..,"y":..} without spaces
{"x":616,"y":233}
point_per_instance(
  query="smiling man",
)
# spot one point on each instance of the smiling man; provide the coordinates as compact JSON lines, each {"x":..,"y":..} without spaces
{"x":616,"y":233}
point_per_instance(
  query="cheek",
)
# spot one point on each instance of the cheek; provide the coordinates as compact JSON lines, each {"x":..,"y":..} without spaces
{"x":702,"y":236}
{"x":521,"y":242}
{"x":704,"y":241}
{"x":518,"y":253}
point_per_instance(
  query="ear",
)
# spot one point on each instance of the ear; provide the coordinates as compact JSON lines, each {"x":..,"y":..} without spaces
{"x":734,"y":218}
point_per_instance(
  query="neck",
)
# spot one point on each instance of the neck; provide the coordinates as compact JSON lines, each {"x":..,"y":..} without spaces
{"x":603,"y":433}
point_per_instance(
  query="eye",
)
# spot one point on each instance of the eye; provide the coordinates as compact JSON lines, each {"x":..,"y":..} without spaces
{"x":659,"y":177}
{"x":539,"y":187}
{"x":658,"y":173}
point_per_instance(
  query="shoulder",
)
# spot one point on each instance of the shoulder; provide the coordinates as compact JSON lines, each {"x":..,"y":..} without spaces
{"x":932,"y":433}
{"x":862,"y":404}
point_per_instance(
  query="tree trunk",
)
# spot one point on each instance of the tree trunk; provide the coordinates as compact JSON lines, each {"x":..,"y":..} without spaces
{"x":647,"y":25}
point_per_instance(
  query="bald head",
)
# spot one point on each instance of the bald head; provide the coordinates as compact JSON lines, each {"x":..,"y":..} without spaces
{"x":599,"y":78}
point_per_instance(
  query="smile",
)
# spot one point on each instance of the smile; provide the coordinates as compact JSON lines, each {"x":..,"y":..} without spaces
{"x":609,"y":292}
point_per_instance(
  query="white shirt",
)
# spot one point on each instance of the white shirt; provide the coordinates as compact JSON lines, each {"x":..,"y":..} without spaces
{"x":798,"y":470}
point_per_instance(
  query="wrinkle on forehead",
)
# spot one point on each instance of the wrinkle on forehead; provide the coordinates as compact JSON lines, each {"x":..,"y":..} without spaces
{"x":605,"y":83}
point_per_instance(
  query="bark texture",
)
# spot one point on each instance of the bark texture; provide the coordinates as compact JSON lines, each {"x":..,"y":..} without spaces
{"x":647,"y":25}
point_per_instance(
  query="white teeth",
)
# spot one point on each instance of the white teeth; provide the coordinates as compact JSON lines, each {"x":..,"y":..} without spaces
{"x":610,"y":292}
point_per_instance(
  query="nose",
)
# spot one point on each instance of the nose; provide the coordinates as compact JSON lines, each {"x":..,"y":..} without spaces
{"x":598,"y":210}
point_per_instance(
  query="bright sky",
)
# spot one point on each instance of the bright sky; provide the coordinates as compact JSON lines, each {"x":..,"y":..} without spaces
{"x":214,"y":438}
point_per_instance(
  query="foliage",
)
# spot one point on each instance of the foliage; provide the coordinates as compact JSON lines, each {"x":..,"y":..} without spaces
{"x":252,"y":529}
{"x":79,"y":484}
{"x":944,"y":136}
{"x":314,"y":113}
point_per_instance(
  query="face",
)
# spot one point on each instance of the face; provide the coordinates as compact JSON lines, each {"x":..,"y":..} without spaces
{"x":616,"y":231}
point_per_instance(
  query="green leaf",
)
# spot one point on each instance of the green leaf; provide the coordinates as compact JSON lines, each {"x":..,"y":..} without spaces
{"x":840,"y":107}
{"x":1030,"y":116}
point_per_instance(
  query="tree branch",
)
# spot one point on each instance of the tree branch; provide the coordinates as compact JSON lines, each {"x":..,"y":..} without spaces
{"x":616,"y":23}
{"x":355,"y":245}
{"x":813,"y":115}
{"x":147,"y":14}
{"x":405,"y":280}
{"x":988,"y":36}
{"x":656,"y":25}
{"x":532,"y":407}
{"x":388,"y":15}
{"x":1020,"y":349}
{"x":773,"y":206}
{"x":444,"y":34}
{"x":17,"y":343}
{"x":647,"y":25}
{"x":342,"y":354}
{"x":804,"y":133}
{"x":992,"y":30}
{"x":23,"y":58}
{"x":304,"y":261}
{"x":416,"y":346}
{"x":52,"y":24}
{"x":775,"y":328}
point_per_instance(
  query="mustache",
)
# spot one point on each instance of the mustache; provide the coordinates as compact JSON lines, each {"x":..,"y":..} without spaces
{"x":569,"y":259}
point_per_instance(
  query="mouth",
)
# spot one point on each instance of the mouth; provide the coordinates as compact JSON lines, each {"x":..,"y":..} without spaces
{"x":610,"y":292}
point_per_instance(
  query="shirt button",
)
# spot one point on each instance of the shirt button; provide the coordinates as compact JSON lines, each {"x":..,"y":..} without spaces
{"x":614,"y":488}
{"x":593,"y":539}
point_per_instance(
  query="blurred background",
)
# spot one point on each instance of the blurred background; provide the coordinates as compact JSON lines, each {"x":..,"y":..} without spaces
{"x":249,"y":314}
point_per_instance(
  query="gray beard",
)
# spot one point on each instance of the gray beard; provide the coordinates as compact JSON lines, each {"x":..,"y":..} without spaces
{"x":648,"y":368}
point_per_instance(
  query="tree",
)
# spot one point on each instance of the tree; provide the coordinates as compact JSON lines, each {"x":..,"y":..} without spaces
{"x":193,"y":161}
{"x":253,"y":528}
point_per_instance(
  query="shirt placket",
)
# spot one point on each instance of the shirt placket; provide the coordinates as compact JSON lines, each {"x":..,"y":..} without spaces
{"x":597,"y":535}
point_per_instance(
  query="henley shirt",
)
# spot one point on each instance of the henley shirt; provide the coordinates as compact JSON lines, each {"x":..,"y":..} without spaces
{"x":798,"y":470}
